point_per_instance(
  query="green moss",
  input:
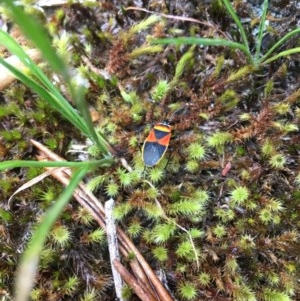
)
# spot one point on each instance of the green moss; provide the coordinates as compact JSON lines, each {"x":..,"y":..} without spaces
{"x":163,"y":232}
{"x":219,"y":65}
{"x":5,"y":185}
{"x":247,"y":242}
{"x":274,"y":295}
{"x":192,"y":166}
{"x":274,"y":205}
{"x":222,"y":215}
{"x":160,"y":253}
{"x":83,"y":216}
{"x":185,"y":250}
{"x":95,"y":182}
{"x":239,"y":195}
{"x":187,"y":290}
{"x":266,"y":215}
{"x":134,"y":229}
{"x":225,"y":214}
{"x":152,"y":193}
{"x":245,"y":117}
{"x":268,"y":148}
{"x":196,"y":233}
{"x":96,"y":236}
{"x":126,"y":292}
{"x":277,"y":161}
{"x":48,"y":195}
{"x":196,"y":151}
{"x":89,"y":295}
{"x":202,"y":196}
{"x":70,"y":286}
{"x":185,"y":206}
{"x":133,"y":141}
{"x":286,"y":128}
{"x":125,"y":177}
{"x":61,"y":235}
{"x":176,"y":194}
{"x":5,"y":216}
{"x":183,"y":63}
{"x":268,"y":88}
{"x":153,"y":211}
{"x":273,"y":278}
{"x":156,"y":174}
{"x":242,"y":292}
{"x":112,"y":189}
{"x":36,"y":294}
{"x":9,"y":109}
{"x":11,"y":136}
{"x":204,"y":279}
{"x":159,"y":92}
{"x":281,"y":108}
{"x":219,"y":139}
{"x":219,"y":231}
{"x":229,"y":99}
{"x":51,"y":143}
{"x":231,"y":265}
{"x":121,"y":210}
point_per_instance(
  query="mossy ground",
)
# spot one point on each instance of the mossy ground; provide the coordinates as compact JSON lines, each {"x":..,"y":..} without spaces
{"x":232,"y":177}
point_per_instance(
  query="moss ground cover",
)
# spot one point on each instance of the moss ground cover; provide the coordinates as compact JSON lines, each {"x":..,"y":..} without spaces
{"x":230,"y":177}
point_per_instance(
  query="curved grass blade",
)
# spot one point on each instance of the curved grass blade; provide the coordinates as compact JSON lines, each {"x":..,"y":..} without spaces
{"x":55,"y":99}
{"x":22,"y":163}
{"x":35,"y":32}
{"x":261,"y":31}
{"x":283,"y":53}
{"x":82,"y":106}
{"x":13,"y":47}
{"x":202,"y":41}
{"x":60,"y":104}
{"x":280,"y":42}
{"x":240,"y":27}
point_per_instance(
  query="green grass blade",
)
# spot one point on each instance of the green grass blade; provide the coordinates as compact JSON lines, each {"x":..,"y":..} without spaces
{"x":30,"y":259}
{"x":56,"y":100}
{"x":280,"y":42}
{"x":62,"y":106}
{"x":35,"y":32}
{"x":23,"y":163}
{"x":283,"y":53}
{"x":85,"y":113}
{"x":13,"y":47}
{"x":202,"y":41}
{"x":239,"y":25}
{"x":261,"y":31}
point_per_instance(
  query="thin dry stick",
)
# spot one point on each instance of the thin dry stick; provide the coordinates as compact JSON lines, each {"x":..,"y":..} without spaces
{"x":161,"y":290}
{"x":137,"y":269}
{"x":143,"y":294}
{"x":113,"y":249}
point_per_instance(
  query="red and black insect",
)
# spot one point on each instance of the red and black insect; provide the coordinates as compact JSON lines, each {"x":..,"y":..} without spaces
{"x":156,"y":144}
